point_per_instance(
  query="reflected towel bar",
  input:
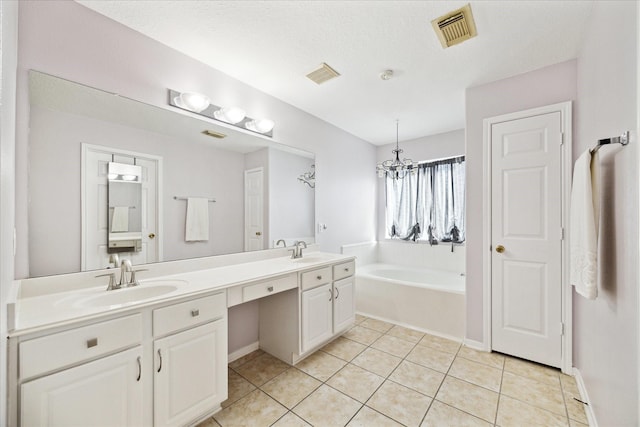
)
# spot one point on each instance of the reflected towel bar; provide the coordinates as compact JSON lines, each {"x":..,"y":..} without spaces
{"x":185,"y":198}
{"x":622,"y":139}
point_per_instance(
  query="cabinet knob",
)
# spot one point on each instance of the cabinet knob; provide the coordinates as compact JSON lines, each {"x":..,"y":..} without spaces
{"x":258,"y":233}
{"x":270,"y":289}
{"x":500,"y":249}
{"x":346,"y":269}
{"x":319,"y":277}
{"x":195,"y":313}
{"x":92,"y":342}
{"x":152,"y":235}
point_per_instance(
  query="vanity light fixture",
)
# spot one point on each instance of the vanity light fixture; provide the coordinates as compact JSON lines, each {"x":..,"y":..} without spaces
{"x":192,"y":101}
{"x":398,"y":168}
{"x":200,"y":104}
{"x":231,"y":115}
{"x":260,"y":125}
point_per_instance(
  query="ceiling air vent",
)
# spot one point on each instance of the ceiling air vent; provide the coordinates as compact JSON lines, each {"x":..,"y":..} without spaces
{"x":455,"y":27}
{"x":323,"y":74}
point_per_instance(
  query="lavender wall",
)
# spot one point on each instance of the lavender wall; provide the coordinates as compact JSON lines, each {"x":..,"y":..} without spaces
{"x":8,"y":64}
{"x":546,"y":86}
{"x":68,"y":40}
{"x":606,"y":329}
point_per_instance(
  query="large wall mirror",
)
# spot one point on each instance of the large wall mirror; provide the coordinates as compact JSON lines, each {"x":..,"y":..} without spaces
{"x":205,"y":189}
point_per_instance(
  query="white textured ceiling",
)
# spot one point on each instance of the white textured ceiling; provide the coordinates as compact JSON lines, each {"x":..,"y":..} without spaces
{"x":272,"y":45}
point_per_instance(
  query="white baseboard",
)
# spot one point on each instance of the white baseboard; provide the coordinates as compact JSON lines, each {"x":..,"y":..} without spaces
{"x":475,"y":345}
{"x":591,"y":417}
{"x":406,"y":325}
{"x":243,"y":351}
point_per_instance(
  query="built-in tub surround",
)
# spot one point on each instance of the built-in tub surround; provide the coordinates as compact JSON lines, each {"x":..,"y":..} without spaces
{"x":160,"y":348}
{"x":412,"y":284}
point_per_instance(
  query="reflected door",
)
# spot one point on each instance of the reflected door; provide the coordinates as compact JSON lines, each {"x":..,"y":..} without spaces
{"x":254,"y":209}
{"x":95,"y":215}
{"x":526,"y":282}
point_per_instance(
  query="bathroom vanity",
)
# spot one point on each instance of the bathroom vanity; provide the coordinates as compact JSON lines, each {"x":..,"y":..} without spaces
{"x":156,"y":354}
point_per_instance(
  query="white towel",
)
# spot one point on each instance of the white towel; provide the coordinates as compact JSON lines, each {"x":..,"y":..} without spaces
{"x":584,"y":217}
{"x":197,"y":227}
{"x":120,"y":219}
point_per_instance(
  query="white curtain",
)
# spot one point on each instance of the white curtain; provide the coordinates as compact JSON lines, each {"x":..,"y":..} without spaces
{"x":428,"y":205}
{"x":404,"y":205}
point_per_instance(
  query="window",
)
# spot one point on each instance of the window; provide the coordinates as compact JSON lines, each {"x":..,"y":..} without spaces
{"x":427,"y":204}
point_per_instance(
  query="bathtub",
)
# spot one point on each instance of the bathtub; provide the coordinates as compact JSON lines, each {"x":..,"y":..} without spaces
{"x":420,"y":298}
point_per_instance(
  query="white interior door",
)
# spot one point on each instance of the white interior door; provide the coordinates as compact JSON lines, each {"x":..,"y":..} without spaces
{"x":95,"y":207}
{"x":526,"y":238}
{"x":254,"y":209}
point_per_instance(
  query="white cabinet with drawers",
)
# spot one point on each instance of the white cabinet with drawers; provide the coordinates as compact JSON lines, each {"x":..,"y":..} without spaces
{"x":190,"y":364}
{"x":297,"y":322}
{"x":163,"y":365}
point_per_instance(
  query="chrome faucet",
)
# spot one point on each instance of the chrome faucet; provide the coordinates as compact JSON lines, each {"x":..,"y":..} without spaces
{"x":125,"y":266}
{"x":284,"y":244}
{"x":296,"y":251}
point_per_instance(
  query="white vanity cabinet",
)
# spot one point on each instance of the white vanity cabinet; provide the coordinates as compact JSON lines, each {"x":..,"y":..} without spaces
{"x":190,"y":366}
{"x":105,"y":392}
{"x":162,"y":365}
{"x":296,"y":322}
{"x":328,"y":309}
{"x":73,"y":378}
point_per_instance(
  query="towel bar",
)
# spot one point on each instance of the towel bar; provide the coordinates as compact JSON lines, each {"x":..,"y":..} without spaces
{"x":622,"y":139}
{"x":185,"y":198}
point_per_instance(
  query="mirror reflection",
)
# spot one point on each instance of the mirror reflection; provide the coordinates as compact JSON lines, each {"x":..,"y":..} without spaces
{"x":235,"y":190}
{"x":124,"y":218}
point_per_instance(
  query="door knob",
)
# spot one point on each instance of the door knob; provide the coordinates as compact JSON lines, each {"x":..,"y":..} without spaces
{"x":258,"y":233}
{"x":152,"y":235}
{"x":500,"y":249}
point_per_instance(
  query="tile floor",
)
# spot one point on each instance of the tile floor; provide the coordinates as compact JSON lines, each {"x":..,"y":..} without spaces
{"x":379,"y":374}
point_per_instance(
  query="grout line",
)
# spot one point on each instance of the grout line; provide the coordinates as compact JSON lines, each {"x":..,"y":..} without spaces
{"x":388,"y":378}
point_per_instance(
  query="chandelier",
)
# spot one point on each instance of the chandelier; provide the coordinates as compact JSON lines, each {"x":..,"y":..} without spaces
{"x":398,"y":168}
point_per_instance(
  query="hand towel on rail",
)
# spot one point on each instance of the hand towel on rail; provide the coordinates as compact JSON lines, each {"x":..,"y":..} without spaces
{"x":583,"y":226}
{"x":197,"y":224}
{"x":120,"y":219}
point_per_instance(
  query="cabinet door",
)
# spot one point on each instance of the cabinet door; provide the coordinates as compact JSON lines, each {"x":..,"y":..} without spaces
{"x":190,"y":373}
{"x":105,"y":392}
{"x":316,"y":316}
{"x":344,"y":305}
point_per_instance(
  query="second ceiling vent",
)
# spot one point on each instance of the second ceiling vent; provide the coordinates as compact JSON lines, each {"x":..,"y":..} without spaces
{"x":455,"y":27}
{"x":323,"y":74}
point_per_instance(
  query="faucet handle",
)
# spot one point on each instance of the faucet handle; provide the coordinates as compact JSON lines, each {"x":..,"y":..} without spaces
{"x":112,"y":280}
{"x":133,"y":281}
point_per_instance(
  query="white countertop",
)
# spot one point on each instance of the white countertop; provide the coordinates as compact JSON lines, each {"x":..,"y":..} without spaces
{"x":37,"y":313}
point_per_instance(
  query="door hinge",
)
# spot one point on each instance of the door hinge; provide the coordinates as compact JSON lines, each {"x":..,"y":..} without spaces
{"x":561,"y":138}
{"x":561,"y":328}
{"x":561,"y":233}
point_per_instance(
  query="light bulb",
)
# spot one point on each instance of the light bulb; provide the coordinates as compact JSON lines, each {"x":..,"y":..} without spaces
{"x":260,"y":125}
{"x":231,"y":115}
{"x":192,"y":101}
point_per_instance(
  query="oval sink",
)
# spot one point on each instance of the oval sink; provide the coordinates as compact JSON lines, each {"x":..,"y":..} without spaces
{"x":129,"y":295}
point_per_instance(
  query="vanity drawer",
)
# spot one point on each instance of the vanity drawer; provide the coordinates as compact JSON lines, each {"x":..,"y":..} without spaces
{"x":269,"y":287}
{"x":313,"y":278}
{"x":343,"y":270}
{"x":52,"y":352}
{"x":189,"y":313}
